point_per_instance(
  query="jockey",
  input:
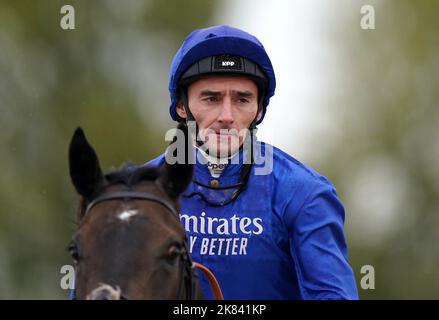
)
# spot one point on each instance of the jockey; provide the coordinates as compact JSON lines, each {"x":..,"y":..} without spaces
{"x":266,"y":225}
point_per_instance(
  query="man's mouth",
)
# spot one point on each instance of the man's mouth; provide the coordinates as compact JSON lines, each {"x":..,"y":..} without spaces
{"x":222,"y":135}
{"x":225,"y":134}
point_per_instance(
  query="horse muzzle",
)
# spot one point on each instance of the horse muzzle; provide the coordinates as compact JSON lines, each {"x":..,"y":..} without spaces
{"x":105,"y":292}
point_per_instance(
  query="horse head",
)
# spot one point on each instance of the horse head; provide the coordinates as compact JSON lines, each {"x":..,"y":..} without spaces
{"x":129,"y":242}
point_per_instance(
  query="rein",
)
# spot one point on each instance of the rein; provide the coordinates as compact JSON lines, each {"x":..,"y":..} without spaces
{"x":216,"y":289}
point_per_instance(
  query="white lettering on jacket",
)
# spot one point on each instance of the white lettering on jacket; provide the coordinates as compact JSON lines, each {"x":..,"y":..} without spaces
{"x":221,"y":226}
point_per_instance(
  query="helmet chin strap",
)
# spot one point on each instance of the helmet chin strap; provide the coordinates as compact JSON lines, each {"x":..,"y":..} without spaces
{"x":190,"y":117}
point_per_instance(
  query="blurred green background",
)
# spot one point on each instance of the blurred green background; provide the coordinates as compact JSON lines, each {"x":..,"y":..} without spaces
{"x":379,"y":144}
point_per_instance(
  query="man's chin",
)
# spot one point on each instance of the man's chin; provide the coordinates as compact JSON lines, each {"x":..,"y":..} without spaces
{"x":223,"y":150}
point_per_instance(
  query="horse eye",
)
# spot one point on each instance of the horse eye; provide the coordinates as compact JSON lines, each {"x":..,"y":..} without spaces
{"x":73,"y":250}
{"x":173,"y":252}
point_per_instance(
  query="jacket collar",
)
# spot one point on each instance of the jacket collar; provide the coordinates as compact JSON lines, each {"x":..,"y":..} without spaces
{"x":231,"y":171}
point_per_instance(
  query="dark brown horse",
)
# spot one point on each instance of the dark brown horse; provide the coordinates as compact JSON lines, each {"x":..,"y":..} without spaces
{"x":129,"y":242}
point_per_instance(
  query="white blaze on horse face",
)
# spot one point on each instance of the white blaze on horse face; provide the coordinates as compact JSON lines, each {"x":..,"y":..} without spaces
{"x":126,"y":215}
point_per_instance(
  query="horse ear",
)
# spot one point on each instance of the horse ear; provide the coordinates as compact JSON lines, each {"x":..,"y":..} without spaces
{"x":85,"y":170}
{"x":175,"y":178}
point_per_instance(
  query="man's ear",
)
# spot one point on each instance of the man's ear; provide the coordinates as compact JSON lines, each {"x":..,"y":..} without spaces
{"x":181,"y":111}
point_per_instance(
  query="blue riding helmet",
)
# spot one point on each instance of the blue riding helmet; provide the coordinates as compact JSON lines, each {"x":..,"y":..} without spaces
{"x":230,"y":47}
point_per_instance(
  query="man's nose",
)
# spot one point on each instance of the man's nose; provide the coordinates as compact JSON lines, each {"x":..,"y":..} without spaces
{"x":226,"y":113}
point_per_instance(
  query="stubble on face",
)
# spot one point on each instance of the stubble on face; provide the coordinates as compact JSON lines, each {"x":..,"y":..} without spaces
{"x":223,"y":107}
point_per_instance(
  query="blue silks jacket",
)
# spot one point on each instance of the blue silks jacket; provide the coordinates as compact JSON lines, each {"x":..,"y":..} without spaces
{"x":281,"y":238}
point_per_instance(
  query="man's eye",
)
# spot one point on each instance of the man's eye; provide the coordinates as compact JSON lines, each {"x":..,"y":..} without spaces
{"x":242,"y":100}
{"x":212,"y":99}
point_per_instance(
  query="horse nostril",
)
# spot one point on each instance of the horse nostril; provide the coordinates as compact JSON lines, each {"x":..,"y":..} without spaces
{"x":105,"y":292}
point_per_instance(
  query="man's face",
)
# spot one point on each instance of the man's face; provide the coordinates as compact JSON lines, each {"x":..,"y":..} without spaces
{"x":223,"y":107}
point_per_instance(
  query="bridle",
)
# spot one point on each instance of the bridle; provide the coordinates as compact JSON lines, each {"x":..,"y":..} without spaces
{"x":186,"y":262}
